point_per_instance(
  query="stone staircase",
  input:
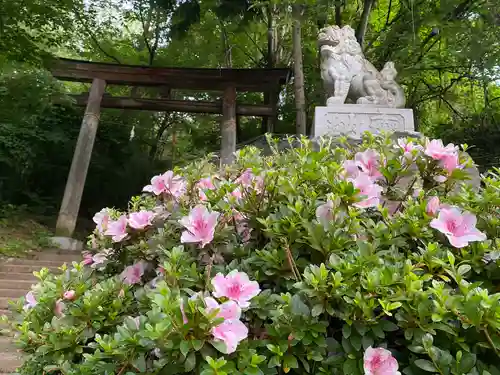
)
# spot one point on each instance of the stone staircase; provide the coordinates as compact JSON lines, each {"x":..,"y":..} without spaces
{"x":16,"y":278}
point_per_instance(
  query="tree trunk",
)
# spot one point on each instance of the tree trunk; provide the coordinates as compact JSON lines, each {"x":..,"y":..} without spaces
{"x":363,"y":23}
{"x":338,"y":13}
{"x":298,"y":70}
{"x":269,"y":123}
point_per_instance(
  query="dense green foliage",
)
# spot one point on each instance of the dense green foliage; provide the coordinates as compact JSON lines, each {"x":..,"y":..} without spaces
{"x":37,"y":140}
{"x":337,"y":272}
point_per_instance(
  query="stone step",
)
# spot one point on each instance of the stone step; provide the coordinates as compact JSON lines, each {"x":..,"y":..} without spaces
{"x":12,"y":293}
{"x":7,"y":346}
{"x":33,"y":262}
{"x":4,"y":302}
{"x":29,"y":269}
{"x":57,"y":255}
{"x":8,"y":363}
{"x":24,"y":285}
{"x":13,"y":276}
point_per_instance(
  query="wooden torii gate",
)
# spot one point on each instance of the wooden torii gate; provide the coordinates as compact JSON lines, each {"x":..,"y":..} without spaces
{"x":229,"y":81}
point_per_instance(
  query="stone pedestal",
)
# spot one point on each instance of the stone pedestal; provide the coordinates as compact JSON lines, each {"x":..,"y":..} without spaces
{"x":352,"y":120}
{"x":67,"y":243}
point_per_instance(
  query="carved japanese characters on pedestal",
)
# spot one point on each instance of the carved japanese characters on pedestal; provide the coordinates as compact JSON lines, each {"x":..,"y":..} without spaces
{"x":347,"y":74}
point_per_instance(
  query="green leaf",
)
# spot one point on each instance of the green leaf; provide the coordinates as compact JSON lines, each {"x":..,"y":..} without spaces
{"x":361,"y":328}
{"x":467,"y":362}
{"x":346,"y":331}
{"x":425,"y":365}
{"x":416,"y":349}
{"x":350,"y":367}
{"x":299,"y":307}
{"x":451,"y":257}
{"x":140,"y":363}
{"x":305,"y":363}
{"x":289,"y":362}
{"x":253,"y":371}
{"x":356,"y":342}
{"x":388,"y":326}
{"x":377,"y":330}
{"x":184,"y":347}
{"x":367,"y":341}
{"x":197,"y":344}
{"x":274,"y":362}
{"x":190,"y":362}
{"x":463,"y":269}
{"x":317,"y":310}
{"x":51,"y":368}
{"x":408,"y":334}
{"x":220,"y":346}
{"x":427,"y":341}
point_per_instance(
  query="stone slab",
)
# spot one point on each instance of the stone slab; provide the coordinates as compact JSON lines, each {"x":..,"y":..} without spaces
{"x":67,"y":243}
{"x":352,"y":120}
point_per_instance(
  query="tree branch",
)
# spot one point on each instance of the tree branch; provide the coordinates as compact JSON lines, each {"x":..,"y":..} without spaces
{"x":93,"y":37}
{"x":143,"y":23}
{"x":255,"y":43}
{"x":363,"y":23}
{"x":157,"y":39}
{"x":388,"y":14}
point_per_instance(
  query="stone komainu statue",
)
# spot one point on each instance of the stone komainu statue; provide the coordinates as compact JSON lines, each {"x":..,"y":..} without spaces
{"x":347,"y":74}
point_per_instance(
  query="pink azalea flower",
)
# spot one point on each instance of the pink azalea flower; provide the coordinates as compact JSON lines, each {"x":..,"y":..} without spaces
{"x":379,"y":361}
{"x":436,"y":150}
{"x":235,"y":196}
{"x":236,"y":193}
{"x":69,"y":295}
{"x":230,"y":332}
{"x":407,"y":147}
{"x":132,"y":274}
{"x":440,"y":179}
{"x":246,"y":178}
{"x":98,"y":259}
{"x":59,"y":308}
{"x":324,"y":213}
{"x":450,"y":163}
{"x":87,"y":259}
{"x":369,"y":162}
{"x":369,"y":190}
{"x":351,"y":169}
{"x":204,"y":184}
{"x":117,"y":229}
{"x":249,"y":180}
{"x":30,"y":301}
{"x":101,"y":219}
{"x":432,"y":207}
{"x":459,"y":228}
{"x":259,"y":184}
{"x":227,"y":310}
{"x":140,"y":220}
{"x":157,"y":186}
{"x":167,"y":183}
{"x":200,"y":225}
{"x":236,"y":286}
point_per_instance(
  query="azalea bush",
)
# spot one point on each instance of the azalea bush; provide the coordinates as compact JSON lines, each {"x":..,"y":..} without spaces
{"x":373,"y":259}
